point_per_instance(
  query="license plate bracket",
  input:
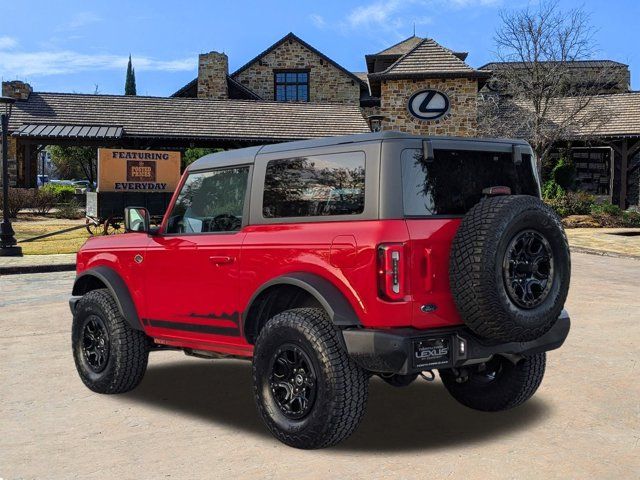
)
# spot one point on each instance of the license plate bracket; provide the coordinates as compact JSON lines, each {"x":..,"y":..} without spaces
{"x":432,"y":352}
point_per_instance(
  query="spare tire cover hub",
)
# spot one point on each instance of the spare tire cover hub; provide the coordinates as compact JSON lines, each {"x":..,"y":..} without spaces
{"x":527,"y":269}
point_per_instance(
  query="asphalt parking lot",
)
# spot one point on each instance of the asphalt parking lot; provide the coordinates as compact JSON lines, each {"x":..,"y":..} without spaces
{"x":194,"y":418}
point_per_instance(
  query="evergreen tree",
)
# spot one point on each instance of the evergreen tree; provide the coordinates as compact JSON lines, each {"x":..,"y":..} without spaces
{"x":130,"y":83}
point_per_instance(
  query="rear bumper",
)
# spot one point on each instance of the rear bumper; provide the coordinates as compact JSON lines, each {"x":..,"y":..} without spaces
{"x":394,"y":350}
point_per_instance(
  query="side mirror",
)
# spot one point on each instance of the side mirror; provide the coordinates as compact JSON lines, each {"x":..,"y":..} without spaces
{"x":136,"y":219}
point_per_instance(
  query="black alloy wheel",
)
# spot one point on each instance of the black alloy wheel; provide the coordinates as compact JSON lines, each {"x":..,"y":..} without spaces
{"x":95,"y":344}
{"x":528,"y":269}
{"x":293,"y":381}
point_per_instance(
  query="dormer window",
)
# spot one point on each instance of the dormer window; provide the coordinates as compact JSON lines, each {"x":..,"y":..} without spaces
{"x":291,"y":86}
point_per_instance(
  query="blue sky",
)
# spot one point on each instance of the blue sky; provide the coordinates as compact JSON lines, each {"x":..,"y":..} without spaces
{"x":72,"y":46}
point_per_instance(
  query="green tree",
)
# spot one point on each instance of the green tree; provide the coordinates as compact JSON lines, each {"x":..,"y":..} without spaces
{"x":193,"y":154}
{"x":75,"y":162}
{"x":130,"y":82}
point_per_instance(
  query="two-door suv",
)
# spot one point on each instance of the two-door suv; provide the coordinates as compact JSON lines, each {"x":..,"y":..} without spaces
{"x":328,"y":261}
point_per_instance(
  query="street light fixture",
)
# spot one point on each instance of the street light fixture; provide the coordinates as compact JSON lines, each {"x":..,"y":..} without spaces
{"x":8,"y":242}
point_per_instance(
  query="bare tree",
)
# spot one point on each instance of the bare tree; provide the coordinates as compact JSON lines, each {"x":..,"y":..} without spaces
{"x":537,"y":92}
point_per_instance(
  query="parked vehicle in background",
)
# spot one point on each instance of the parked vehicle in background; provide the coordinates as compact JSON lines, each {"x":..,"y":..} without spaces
{"x":328,"y":261}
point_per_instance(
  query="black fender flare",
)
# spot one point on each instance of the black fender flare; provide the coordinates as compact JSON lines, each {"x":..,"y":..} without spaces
{"x":332,"y":300}
{"x":116,"y":285}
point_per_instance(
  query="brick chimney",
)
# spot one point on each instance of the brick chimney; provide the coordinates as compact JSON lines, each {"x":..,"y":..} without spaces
{"x":16,"y":89}
{"x":213,"y":68}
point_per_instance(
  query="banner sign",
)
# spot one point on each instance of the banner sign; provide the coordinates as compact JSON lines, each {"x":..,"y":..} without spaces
{"x":138,"y":170}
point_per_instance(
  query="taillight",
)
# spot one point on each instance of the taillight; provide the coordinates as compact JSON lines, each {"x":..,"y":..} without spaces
{"x":391,"y":274}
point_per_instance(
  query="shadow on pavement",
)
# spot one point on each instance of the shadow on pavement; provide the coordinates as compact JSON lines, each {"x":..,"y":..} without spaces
{"x":422,"y":416}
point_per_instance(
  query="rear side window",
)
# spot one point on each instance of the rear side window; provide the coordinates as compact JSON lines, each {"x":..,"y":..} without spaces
{"x":453,"y":181}
{"x":314,"y":186}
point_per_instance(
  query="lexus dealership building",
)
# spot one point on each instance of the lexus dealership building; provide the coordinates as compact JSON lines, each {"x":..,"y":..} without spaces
{"x":293,"y":91}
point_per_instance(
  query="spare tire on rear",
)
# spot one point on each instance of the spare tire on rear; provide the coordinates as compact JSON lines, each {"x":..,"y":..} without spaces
{"x":509,"y":268}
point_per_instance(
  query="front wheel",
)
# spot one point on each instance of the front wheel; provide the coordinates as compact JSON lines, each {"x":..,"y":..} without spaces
{"x":496,"y":385}
{"x":308,"y":390}
{"x":110,"y":356}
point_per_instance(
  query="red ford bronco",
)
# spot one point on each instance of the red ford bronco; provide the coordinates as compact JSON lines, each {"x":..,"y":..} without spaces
{"x":328,"y":261}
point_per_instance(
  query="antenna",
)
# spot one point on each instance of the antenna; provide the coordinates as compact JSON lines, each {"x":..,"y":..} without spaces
{"x":414,"y":29}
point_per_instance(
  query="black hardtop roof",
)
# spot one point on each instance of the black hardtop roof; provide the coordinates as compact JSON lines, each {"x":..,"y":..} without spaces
{"x":244,"y":156}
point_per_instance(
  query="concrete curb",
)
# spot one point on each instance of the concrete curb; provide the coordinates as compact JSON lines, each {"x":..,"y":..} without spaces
{"x":19,"y":269}
{"x":603,"y":253}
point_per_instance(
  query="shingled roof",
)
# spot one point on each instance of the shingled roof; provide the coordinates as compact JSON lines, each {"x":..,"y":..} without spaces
{"x":402,"y":47}
{"x":494,"y":66}
{"x":429,"y":59}
{"x":604,"y":116}
{"x":190,"y":118}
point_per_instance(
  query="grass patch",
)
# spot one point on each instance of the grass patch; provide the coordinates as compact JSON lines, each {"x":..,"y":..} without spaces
{"x":69,"y":242}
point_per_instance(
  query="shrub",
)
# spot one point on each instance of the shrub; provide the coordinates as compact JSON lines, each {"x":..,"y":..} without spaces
{"x":606,"y":208}
{"x":19,"y":199}
{"x":564,"y":173}
{"x":63,"y":193}
{"x":551,"y":190}
{"x":631,"y":218}
{"x":572,"y":203}
{"x":43,"y":201}
{"x":69,"y":210}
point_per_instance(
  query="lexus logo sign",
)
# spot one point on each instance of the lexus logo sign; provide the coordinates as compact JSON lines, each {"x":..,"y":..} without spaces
{"x":428,"y":104}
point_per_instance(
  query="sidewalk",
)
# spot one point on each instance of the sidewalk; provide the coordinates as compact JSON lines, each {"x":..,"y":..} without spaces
{"x":37,"y":263}
{"x":617,"y":242}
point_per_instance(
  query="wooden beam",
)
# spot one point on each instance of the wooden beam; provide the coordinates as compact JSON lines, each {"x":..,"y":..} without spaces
{"x":624,"y":161}
{"x":633,"y":149}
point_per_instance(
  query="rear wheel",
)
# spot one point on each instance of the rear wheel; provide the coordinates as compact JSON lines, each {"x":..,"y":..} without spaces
{"x":498,"y":384}
{"x":309,"y":392}
{"x":109,"y":355}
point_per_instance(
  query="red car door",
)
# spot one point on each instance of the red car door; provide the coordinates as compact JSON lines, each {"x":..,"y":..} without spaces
{"x":192,"y":266}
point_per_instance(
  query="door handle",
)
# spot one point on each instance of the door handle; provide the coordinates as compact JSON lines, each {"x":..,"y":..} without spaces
{"x":220,"y":259}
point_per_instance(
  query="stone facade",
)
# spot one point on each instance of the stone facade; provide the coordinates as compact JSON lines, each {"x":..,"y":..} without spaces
{"x":326,"y":82}
{"x":462,"y":119}
{"x":16,"y":89}
{"x":213,"y":68}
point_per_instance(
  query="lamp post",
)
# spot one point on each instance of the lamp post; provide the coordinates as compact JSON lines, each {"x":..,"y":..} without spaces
{"x":8,"y":242}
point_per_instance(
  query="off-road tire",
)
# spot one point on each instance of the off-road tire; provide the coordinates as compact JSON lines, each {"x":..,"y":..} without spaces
{"x":476,"y":268}
{"x":514,"y":385}
{"x":397,"y":380}
{"x":341,"y":385}
{"x":128,"y":348}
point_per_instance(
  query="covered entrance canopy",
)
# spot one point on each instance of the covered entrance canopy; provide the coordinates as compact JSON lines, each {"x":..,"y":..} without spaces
{"x":159,"y":122}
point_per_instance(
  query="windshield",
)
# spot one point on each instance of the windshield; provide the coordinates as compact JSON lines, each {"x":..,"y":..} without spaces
{"x":453,"y":181}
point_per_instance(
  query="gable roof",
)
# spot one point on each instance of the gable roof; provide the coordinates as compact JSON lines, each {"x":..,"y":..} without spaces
{"x":187,"y":118}
{"x":236,"y":90}
{"x":428,"y":58}
{"x":292,"y":37}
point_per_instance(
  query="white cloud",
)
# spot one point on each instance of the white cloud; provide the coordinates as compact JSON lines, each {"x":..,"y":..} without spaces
{"x":317,"y":20}
{"x":379,"y":12}
{"x":22,"y":64}
{"x":7,"y":43}
{"x":82,"y":19}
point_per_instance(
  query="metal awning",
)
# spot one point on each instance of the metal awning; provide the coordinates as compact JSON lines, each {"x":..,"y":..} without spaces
{"x":69,"y":131}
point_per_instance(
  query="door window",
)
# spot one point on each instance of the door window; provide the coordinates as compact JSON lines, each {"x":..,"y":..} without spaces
{"x":210,"y":202}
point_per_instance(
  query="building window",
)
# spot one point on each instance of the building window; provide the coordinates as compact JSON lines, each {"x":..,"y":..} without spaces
{"x":292,"y":86}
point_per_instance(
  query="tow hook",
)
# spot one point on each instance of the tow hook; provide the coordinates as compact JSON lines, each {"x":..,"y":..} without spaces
{"x":428,"y":375}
